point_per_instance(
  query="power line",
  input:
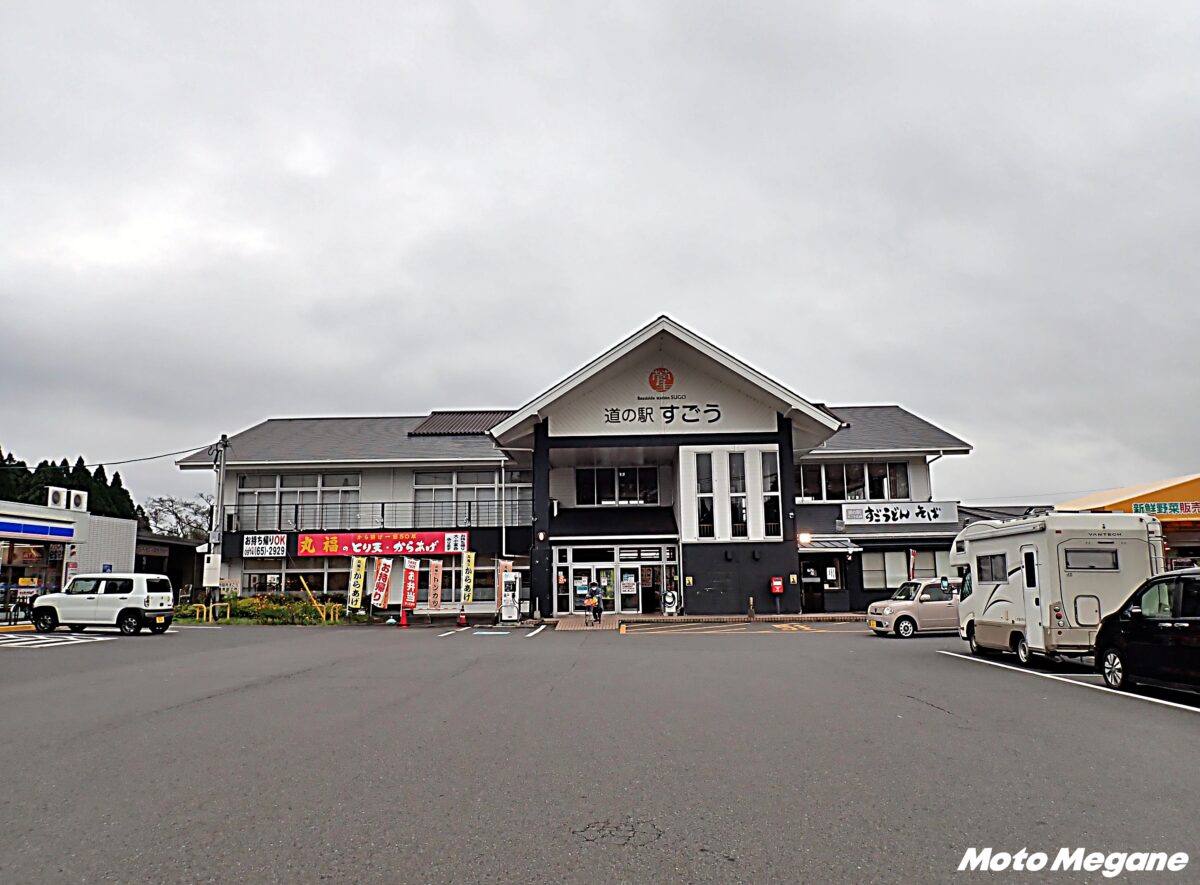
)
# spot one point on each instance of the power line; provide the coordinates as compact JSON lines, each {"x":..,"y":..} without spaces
{"x":117,"y":463}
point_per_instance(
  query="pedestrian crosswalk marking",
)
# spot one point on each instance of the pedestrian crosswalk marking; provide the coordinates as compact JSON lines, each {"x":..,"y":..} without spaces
{"x":46,"y":640}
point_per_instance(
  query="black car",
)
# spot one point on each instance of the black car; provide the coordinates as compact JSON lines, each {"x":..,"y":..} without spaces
{"x":1155,"y":636}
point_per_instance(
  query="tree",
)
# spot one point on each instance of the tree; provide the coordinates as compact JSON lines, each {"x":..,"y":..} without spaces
{"x":122,"y":503}
{"x":180,"y":517}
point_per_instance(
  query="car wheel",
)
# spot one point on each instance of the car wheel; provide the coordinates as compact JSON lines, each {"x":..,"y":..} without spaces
{"x":75,"y":628}
{"x":45,"y":621}
{"x":976,"y":648}
{"x":1023,"y":655}
{"x":905,"y":628}
{"x":157,"y":629}
{"x":130,"y":624}
{"x":1112,"y":665}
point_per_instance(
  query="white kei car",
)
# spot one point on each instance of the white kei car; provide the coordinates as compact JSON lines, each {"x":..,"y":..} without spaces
{"x":127,"y":601}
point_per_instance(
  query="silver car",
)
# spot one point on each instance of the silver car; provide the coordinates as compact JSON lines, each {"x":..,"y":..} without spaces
{"x":928,"y":606}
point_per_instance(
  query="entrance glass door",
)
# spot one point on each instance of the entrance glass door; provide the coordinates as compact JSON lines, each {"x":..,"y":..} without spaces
{"x":608,"y":587}
{"x":630,"y":603}
{"x":605,"y":576}
{"x":581,"y":577}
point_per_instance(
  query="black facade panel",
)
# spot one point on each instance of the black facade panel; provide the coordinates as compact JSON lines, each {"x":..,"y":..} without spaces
{"x":787,"y":478}
{"x":540,"y":567}
{"x":602,"y":521}
{"x":818,"y":519}
{"x":725,"y":576}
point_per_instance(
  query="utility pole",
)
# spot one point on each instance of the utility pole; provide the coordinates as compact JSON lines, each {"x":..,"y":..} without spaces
{"x":212,"y":571}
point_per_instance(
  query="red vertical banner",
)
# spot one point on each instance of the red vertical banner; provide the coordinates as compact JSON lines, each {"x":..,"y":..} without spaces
{"x":435,"y":583}
{"x":411,"y":567}
{"x":383,"y":582}
{"x":505,"y":568}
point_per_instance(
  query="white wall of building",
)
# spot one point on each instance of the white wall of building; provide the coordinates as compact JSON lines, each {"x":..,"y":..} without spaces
{"x":111,"y":542}
{"x":626,"y":387}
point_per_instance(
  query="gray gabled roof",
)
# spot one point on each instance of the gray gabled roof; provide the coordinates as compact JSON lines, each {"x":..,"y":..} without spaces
{"x":888,"y":429}
{"x":346,"y":440}
{"x":462,"y":421}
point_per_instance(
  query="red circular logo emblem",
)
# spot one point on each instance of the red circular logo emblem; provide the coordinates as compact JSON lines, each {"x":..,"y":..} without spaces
{"x":661,"y":380}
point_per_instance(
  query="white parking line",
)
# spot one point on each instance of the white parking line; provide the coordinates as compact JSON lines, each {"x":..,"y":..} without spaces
{"x":1069,"y":681}
{"x":192,"y":627}
{"x":490,"y":633}
{"x":460,"y":629}
{"x":447,"y":633}
{"x":536,"y":632}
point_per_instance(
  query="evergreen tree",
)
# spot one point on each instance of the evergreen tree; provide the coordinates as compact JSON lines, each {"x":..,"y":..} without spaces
{"x":122,"y":503}
{"x":79,"y":480}
{"x":12,"y":477}
{"x":46,"y":474}
{"x":101,"y":500}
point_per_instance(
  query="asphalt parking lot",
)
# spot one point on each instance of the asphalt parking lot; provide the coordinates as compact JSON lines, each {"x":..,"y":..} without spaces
{"x":361,"y":754}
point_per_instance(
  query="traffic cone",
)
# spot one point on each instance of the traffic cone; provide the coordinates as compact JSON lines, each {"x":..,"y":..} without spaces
{"x":462,"y":616}
{"x":404,"y":618}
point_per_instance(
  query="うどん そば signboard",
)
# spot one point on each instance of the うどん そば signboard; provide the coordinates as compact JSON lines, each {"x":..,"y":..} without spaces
{"x":380,"y":543}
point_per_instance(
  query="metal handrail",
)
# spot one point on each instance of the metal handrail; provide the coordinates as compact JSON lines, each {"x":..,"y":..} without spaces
{"x":374,"y":516}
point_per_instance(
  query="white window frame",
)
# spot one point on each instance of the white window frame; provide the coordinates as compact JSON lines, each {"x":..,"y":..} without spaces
{"x":777,"y":494}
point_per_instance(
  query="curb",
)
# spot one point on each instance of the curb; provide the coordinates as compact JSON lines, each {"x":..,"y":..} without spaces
{"x":848,"y":618}
{"x":16,"y":628}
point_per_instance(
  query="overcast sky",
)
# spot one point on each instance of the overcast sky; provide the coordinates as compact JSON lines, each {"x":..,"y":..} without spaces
{"x":213,"y":213}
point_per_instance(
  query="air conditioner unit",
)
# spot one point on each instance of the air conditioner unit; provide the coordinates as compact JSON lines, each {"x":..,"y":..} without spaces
{"x":56,"y":497}
{"x":77,"y":500}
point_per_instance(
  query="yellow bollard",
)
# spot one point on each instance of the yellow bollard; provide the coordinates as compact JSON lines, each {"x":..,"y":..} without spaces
{"x":200,"y":612}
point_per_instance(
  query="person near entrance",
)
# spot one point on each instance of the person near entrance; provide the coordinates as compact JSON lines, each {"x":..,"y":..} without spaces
{"x":597,"y":601}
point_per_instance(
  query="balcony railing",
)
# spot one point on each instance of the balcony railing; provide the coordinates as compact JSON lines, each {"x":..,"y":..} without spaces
{"x":369,"y":516}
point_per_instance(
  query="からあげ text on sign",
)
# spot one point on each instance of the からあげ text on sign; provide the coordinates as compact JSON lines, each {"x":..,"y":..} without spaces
{"x":468,"y":581}
{"x":409,"y":582}
{"x":383,"y":580}
{"x":380,"y":543}
{"x":358,"y":579}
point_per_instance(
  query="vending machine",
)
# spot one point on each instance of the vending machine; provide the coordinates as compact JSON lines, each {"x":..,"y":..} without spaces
{"x":510,"y":598}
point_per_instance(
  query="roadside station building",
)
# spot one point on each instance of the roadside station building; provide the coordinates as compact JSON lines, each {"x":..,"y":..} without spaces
{"x":1176,"y":503}
{"x":665,"y":463}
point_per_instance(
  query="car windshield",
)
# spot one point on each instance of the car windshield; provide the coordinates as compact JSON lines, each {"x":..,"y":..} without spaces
{"x":908,"y":590}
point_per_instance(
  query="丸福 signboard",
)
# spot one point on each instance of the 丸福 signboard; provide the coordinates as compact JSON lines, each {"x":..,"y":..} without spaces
{"x":380,"y":543}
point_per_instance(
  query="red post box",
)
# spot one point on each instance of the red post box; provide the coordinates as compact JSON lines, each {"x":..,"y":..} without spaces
{"x":777,"y":585}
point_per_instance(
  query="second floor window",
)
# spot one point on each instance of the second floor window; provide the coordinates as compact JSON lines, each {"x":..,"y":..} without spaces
{"x":705,"y":513}
{"x":737,"y":495}
{"x":597,"y":486}
{"x":853,"y":481}
{"x":772,"y":517}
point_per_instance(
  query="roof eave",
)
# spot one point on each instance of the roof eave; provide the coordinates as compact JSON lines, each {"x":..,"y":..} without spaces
{"x":793,"y":401}
{"x":949,"y":450}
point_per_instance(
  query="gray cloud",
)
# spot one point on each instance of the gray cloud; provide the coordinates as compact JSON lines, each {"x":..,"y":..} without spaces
{"x":216,"y":214}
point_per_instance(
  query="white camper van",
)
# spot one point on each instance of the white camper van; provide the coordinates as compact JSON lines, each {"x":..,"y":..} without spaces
{"x":1042,"y":584}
